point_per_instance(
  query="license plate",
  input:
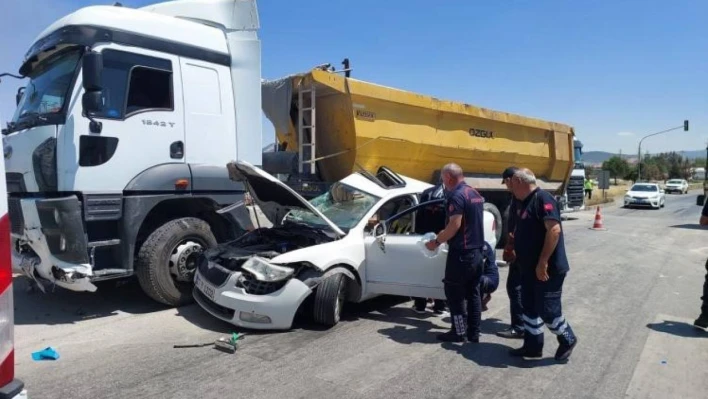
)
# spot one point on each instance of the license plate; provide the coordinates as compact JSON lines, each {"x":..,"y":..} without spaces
{"x":204,"y":287}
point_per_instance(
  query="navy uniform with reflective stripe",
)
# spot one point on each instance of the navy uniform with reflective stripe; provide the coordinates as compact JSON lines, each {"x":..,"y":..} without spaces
{"x":463,"y":269}
{"x":490,"y":272}
{"x":541,"y":299}
{"x":513,"y":280}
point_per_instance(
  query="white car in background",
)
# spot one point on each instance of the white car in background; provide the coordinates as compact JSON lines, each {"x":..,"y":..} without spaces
{"x":361,"y":239}
{"x":645,"y":194}
{"x":676,"y":186}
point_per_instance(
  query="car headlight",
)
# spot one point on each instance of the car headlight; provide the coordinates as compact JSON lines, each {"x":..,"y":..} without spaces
{"x":265,"y":271}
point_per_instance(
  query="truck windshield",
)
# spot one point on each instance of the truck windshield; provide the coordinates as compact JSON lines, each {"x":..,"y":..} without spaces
{"x":578,"y":158}
{"x":48,"y":86}
{"x":344,"y":205}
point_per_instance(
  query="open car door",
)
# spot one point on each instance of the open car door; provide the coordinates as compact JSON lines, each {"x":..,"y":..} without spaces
{"x":399,"y":264}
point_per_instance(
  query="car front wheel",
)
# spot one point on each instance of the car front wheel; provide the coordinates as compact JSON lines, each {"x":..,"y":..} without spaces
{"x":329,"y":300}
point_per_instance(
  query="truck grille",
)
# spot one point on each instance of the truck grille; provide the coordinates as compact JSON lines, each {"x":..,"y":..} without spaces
{"x":17,"y":220}
{"x":576,"y":191}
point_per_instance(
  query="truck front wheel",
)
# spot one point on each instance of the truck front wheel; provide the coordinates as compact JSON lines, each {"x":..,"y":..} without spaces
{"x":488,"y":206}
{"x":167,"y":259}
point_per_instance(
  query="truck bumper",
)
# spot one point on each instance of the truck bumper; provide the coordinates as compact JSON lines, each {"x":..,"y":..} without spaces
{"x":49,"y":244}
{"x":13,"y":390}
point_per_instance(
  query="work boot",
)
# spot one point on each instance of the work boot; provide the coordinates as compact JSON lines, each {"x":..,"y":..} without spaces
{"x":702,"y":321}
{"x":452,"y":336}
{"x":523,"y":352}
{"x":511,"y":333}
{"x":564,"y":350}
{"x":566,"y":342}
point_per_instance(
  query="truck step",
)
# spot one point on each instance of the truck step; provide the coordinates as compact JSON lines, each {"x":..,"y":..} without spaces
{"x":104,"y":243}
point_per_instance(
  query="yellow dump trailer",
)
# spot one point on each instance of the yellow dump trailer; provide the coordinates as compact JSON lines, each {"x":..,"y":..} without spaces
{"x":361,"y":124}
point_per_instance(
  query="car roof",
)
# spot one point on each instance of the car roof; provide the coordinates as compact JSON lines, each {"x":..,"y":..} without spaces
{"x":359,"y":181}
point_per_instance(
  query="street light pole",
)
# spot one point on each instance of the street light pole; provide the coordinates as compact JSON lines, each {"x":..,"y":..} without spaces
{"x":639,"y":152}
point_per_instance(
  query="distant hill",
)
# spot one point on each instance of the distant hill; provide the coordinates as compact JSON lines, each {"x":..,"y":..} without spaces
{"x":598,"y":157}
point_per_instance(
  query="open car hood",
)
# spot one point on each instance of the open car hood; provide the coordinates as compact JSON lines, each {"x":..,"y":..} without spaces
{"x":272,"y":195}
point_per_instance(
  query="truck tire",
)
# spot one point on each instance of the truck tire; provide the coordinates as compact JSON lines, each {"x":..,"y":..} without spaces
{"x":700,"y":200}
{"x":156,"y":267}
{"x":488,"y":206}
{"x":329,"y":300}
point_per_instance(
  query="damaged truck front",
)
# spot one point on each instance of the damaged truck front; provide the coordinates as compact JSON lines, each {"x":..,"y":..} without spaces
{"x":116,"y":156}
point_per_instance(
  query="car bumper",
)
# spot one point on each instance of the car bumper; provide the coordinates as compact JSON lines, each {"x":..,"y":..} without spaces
{"x":274,"y":311}
{"x":642,"y":202}
{"x":49,"y":244}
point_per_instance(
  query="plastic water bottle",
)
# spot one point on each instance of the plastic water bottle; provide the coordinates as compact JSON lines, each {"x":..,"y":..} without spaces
{"x":426,"y":252}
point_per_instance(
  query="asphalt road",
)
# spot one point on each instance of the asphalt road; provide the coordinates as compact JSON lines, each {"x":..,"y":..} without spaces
{"x":631,"y":295}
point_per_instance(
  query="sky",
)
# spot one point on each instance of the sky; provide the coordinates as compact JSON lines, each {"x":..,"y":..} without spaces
{"x":616,"y":70}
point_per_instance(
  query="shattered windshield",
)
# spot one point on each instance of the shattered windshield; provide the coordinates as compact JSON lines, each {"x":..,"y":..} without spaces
{"x":49,"y":85}
{"x":344,"y":205}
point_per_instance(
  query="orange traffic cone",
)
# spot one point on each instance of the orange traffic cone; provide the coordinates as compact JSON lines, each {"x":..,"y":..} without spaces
{"x":597,"y":225}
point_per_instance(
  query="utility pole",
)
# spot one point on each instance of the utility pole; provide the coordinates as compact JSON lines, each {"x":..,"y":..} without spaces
{"x":639,"y":152}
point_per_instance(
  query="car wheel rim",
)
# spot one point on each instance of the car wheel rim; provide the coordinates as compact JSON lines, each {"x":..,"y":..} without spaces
{"x":183,"y":260}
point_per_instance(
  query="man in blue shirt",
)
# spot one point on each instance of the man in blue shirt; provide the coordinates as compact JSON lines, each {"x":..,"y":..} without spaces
{"x":513,"y":279}
{"x":464,"y":233}
{"x":702,"y":320}
{"x":540,"y":253}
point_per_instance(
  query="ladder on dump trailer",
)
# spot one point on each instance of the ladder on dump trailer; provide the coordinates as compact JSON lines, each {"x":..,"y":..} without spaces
{"x":306,"y":122}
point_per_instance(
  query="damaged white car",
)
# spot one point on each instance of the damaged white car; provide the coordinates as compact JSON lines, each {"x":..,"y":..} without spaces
{"x":362,"y":238}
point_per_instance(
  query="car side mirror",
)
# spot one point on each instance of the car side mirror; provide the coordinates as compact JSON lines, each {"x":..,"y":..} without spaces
{"x":371,"y":223}
{"x":380,"y":231}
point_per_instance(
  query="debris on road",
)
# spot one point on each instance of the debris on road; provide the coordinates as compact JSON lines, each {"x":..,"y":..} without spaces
{"x":193,"y":345}
{"x":47,"y":353}
{"x":229,"y":345}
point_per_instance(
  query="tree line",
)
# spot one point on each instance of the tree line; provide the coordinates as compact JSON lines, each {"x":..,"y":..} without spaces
{"x":670,"y":165}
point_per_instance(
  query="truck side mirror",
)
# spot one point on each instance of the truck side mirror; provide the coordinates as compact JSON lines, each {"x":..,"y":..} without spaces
{"x":91,"y":77}
{"x":91,"y":71}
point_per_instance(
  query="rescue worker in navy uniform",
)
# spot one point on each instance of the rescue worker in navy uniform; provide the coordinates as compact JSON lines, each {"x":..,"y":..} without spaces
{"x":430,"y":218}
{"x":513,"y":280}
{"x":702,"y":320}
{"x":464,"y":233}
{"x":540,"y":252}
{"x":489,"y":282}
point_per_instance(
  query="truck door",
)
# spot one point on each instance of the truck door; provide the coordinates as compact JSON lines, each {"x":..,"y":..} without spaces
{"x":142,"y":122}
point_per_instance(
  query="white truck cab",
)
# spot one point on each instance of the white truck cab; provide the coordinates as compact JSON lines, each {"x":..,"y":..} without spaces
{"x":574,"y":196}
{"x":116,"y":155}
